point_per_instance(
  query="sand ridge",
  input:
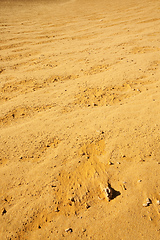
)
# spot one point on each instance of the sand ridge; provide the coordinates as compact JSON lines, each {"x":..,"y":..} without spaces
{"x":79,"y":119}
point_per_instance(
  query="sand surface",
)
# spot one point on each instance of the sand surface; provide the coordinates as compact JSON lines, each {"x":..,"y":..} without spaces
{"x":80,"y":119}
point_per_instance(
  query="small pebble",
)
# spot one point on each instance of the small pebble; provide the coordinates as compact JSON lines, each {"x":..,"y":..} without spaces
{"x":145,"y":205}
{"x":100,"y":198}
{"x":87,"y":205}
{"x":110,"y":163}
{"x":4,"y":211}
{"x":148,"y":202}
{"x":158,"y":202}
{"x":95,"y":104}
{"x":57,"y":210}
{"x":123,"y":187}
{"x":139,"y":181}
{"x":72,"y":199}
{"x":109,"y":193}
{"x":69,"y":230}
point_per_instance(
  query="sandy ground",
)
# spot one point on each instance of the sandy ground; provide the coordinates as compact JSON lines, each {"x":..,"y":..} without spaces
{"x":80,"y":120}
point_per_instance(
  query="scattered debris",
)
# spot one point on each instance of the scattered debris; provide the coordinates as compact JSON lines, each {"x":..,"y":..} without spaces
{"x":148,"y":202}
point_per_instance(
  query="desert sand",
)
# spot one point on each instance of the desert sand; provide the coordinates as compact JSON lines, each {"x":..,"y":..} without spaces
{"x":80,"y":119}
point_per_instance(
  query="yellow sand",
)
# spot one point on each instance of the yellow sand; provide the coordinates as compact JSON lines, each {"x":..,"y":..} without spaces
{"x":80,"y":112}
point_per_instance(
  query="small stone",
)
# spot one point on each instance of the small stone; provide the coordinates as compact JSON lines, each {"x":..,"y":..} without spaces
{"x":109,"y":193}
{"x":148,"y":202}
{"x":158,"y":202}
{"x":139,"y":181}
{"x":123,"y":187}
{"x":87,"y":205}
{"x":4,"y":211}
{"x":110,"y":163}
{"x":95,"y":104}
{"x":72,"y":199}
{"x":69,"y":230}
{"x":57,"y":210}
{"x":145,"y":205}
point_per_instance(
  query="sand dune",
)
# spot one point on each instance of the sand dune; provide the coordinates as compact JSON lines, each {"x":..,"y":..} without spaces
{"x":79,"y":119}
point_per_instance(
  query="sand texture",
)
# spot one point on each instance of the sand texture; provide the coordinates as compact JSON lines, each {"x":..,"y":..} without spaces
{"x":80,"y":120}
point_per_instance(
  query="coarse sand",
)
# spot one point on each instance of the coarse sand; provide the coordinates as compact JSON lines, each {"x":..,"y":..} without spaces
{"x":80,"y":120}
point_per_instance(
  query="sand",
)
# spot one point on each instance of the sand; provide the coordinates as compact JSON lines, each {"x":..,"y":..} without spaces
{"x":79,"y":119}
